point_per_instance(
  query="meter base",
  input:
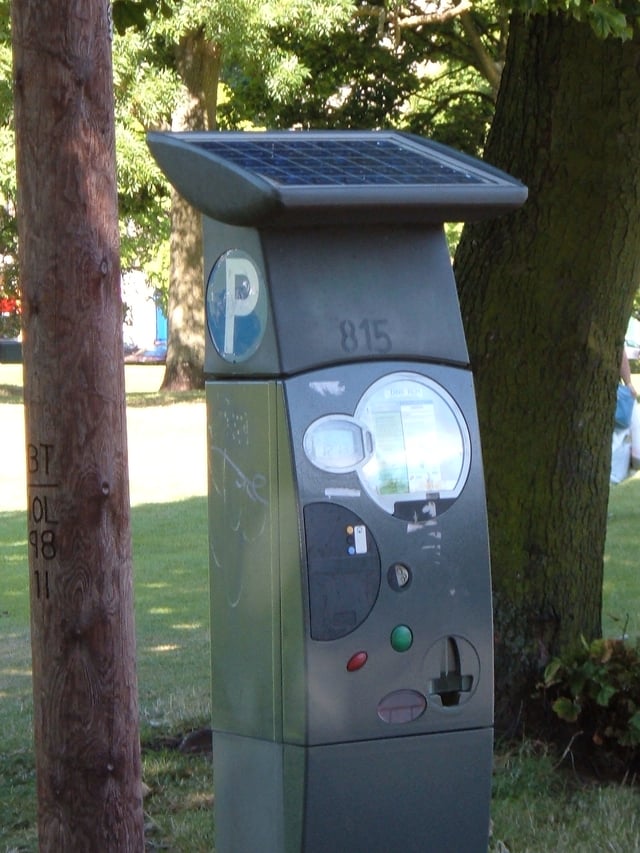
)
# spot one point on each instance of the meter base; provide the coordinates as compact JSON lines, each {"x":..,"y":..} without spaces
{"x":416,"y":794}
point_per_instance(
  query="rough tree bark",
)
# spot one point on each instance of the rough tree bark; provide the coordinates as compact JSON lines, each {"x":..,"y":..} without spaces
{"x":546,"y":294}
{"x":82,"y":626}
{"x":199,"y":66}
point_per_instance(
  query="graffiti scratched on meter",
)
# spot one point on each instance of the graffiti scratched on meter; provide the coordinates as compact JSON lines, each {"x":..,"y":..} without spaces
{"x":236,"y":306}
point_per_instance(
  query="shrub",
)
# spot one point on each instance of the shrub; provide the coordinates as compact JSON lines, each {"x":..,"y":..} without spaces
{"x":596,"y":690}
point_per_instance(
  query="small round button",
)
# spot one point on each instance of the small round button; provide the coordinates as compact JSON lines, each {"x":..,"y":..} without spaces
{"x":357,"y":661}
{"x":399,"y":576}
{"x":401,"y":638}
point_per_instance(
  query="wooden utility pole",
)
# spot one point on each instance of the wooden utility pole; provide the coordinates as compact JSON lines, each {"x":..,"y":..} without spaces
{"x":82,"y":627}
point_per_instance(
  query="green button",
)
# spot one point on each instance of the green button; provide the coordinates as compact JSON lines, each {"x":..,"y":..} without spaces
{"x":401,"y":638}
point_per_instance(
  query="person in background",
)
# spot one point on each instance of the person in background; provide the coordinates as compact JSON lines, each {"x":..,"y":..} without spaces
{"x":625,"y":376}
{"x":625,"y":373}
{"x":625,"y":457}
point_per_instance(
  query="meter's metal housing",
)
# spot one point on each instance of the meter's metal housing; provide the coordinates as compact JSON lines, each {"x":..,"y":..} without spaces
{"x":351,"y":637}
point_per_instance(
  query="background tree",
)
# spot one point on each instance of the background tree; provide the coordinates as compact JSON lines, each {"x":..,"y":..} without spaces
{"x":198,"y":37}
{"x":546,"y":294}
{"x":82,"y":629}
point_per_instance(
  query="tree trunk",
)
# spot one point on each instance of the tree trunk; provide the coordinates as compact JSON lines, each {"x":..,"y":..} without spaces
{"x":199,"y":66}
{"x":80,"y":567}
{"x":546,"y":294}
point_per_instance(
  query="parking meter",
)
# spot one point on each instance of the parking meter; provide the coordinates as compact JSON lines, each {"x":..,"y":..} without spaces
{"x":350,"y":579}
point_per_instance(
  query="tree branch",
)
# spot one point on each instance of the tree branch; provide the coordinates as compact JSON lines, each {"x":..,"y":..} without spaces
{"x":433,"y":13}
{"x":429,"y":13}
{"x":490,"y":69}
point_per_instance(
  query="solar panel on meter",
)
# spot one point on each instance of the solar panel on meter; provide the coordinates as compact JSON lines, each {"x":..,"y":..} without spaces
{"x":316,"y":177}
{"x":336,"y":161}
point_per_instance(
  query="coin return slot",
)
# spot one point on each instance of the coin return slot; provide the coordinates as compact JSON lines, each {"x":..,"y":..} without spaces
{"x":451,"y":683}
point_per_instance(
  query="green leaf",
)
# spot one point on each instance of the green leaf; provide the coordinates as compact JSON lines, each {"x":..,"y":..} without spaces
{"x":634,"y":723}
{"x":566,"y":709}
{"x":607,"y":21}
{"x":576,"y":682}
{"x":551,"y":671}
{"x":605,"y":694}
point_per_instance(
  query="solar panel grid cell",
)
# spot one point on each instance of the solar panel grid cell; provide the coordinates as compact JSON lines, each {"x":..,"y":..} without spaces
{"x":335,"y":162}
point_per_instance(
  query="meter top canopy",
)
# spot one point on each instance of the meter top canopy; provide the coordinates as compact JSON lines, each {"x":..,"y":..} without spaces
{"x":328,"y":177}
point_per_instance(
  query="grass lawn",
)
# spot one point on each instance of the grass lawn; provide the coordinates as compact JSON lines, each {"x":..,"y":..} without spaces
{"x":536,"y":808}
{"x":621,"y":590}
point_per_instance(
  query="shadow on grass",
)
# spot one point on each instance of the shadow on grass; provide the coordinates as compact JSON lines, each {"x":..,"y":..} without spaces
{"x":171,"y":582}
{"x":171,"y":588}
{"x":146,"y":399}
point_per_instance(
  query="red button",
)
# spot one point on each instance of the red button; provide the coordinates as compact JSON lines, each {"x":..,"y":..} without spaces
{"x":357,"y":661}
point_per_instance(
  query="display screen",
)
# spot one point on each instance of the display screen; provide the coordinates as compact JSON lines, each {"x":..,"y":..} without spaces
{"x":407,"y":441}
{"x":390,"y":456}
{"x":334,"y":443}
{"x":405,"y":444}
{"x":420,"y":441}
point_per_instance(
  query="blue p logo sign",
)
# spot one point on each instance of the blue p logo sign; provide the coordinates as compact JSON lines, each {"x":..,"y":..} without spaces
{"x":236,"y":305}
{"x":241,"y":297}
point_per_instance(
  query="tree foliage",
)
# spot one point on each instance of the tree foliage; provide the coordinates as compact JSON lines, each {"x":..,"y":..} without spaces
{"x":430,"y":79}
{"x":145,"y":94}
{"x":605,"y":17}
